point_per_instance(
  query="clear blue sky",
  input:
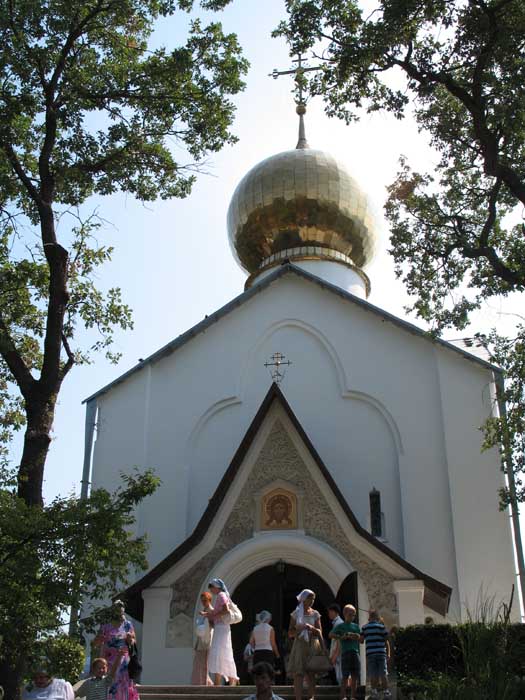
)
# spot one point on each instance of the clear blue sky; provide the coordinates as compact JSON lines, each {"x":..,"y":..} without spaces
{"x":172,"y":259}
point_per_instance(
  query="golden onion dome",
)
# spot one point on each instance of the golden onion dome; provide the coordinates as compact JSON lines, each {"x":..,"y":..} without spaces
{"x":301,"y":203}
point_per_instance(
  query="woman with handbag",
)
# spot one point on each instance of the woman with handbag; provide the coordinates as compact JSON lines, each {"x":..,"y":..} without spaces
{"x":221,"y":663}
{"x":115,"y":640}
{"x":308,"y":646}
{"x":201,"y":648}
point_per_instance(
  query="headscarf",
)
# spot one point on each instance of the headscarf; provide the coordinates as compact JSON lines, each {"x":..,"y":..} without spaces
{"x":219,"y":583}
{"x":264,"y":616}
{"x":299,"y":612}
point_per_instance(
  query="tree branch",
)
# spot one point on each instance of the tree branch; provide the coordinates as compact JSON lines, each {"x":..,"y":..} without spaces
{"x":21,"y":174}
{"x":487,"y":140}
{"x":492,"y":213}
{"x":483,"y":250}
{"x":15,"y":361}
{"x":70,"y":356}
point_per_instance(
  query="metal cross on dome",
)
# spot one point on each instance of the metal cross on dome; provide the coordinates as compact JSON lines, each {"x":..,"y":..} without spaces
{"x":278,"y":360}
{"x":300,"y":102}
{"x":298,"y":72}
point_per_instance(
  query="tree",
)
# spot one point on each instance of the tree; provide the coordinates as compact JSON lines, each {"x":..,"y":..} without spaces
{"x":50,"y":555}
{"x":88,"y":108}
{"x":464,"y":69}
{"x":457,"y":235}
{"x":63,"y":653}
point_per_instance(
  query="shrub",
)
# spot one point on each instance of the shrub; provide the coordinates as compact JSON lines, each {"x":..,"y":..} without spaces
{"x":478,"y":660}
{"x":64,"y":656}
{"x":421,"y":650}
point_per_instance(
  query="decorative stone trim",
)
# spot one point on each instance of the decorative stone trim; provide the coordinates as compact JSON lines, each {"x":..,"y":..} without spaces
{"x":280,"y":461}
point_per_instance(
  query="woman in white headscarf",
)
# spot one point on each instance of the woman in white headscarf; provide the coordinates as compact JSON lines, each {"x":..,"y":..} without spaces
{"x":221,"y":663}
{"x":305,"y":630}
{"x":262,"y":639}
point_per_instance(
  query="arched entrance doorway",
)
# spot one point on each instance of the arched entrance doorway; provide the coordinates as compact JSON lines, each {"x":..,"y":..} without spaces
{"x":275,"y":588}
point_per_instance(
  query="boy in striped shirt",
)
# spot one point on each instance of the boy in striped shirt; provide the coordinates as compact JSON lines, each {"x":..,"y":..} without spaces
{"x":98,"y":685}
{"x":375,"y":635}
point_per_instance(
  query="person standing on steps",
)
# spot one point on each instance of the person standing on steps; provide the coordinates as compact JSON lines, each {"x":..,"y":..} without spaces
{"x":263,"y":677}
{"x":334,"y":613}
{"x":348,"y":634}
{"x":262,"y":640}
{"x":221,"y":663}
{"x":114,"y":641}
{"x":98,"y":685}
{"x":45,"y":687}
{"x":201,"y":649}
{"x":375,"y":636}
{"x":305,"y":630}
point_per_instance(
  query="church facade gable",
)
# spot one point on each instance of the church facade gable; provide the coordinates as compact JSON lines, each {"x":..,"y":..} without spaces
{"x":277,"y":508}
{"x":279,"y":456}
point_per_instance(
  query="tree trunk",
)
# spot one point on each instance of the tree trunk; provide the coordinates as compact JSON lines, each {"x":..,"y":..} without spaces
{"x":40,"y":414}
{"x":10,"y":678}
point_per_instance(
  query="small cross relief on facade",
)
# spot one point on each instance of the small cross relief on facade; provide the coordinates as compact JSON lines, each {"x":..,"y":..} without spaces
{"x":279,"y":510}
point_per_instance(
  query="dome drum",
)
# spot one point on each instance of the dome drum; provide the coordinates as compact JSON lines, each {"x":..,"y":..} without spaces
{"x":303,"y":253}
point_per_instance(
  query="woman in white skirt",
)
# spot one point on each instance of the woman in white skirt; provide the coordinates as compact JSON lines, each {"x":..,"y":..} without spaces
{"x":221,"y":663}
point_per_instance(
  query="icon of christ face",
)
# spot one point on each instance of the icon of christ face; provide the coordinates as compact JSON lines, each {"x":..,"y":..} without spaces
{"x":278,"y":511}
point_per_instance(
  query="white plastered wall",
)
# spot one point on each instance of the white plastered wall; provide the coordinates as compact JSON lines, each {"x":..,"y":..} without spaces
{"x":482,"y":532}
{"x":383,"y":407}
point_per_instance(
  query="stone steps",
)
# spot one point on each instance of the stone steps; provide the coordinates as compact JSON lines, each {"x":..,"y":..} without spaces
{"x":196,"y":692}
{"x":212,"y":692}
{"x":227,"y":690}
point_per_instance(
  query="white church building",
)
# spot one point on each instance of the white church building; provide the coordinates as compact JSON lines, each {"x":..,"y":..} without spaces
{"x":359,"y":475}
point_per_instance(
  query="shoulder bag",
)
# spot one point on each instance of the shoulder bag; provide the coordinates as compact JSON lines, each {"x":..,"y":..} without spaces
{"x":134,"y":665}
{"x":234,"y":615}
{"x":318,"y":661}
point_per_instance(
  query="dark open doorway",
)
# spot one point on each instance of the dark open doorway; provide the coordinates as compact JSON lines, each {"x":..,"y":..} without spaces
{"x":275,"y":588}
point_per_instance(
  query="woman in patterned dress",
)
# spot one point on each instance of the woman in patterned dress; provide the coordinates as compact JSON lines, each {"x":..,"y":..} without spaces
{"x":221,"y":663}
{"x":305,"y":630}
{"x":113,"y":637}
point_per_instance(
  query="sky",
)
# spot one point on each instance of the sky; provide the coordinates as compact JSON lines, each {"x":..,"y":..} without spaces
{"x":172,"y":259}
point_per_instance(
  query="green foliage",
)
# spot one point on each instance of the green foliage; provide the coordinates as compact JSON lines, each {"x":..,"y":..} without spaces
{"x":457,"y":235}
{"x":421,"y":650}
{"x":52,"y":555}
{"x":508,"y":433}
{"x":88,"y":107}
{"x":67,"y":62}
{"x":443,"y":687}
{"x":64,"y":656}
{"x":478,"y":659}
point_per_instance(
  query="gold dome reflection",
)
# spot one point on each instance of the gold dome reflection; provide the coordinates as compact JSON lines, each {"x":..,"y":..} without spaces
{"x":300,"y":198}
